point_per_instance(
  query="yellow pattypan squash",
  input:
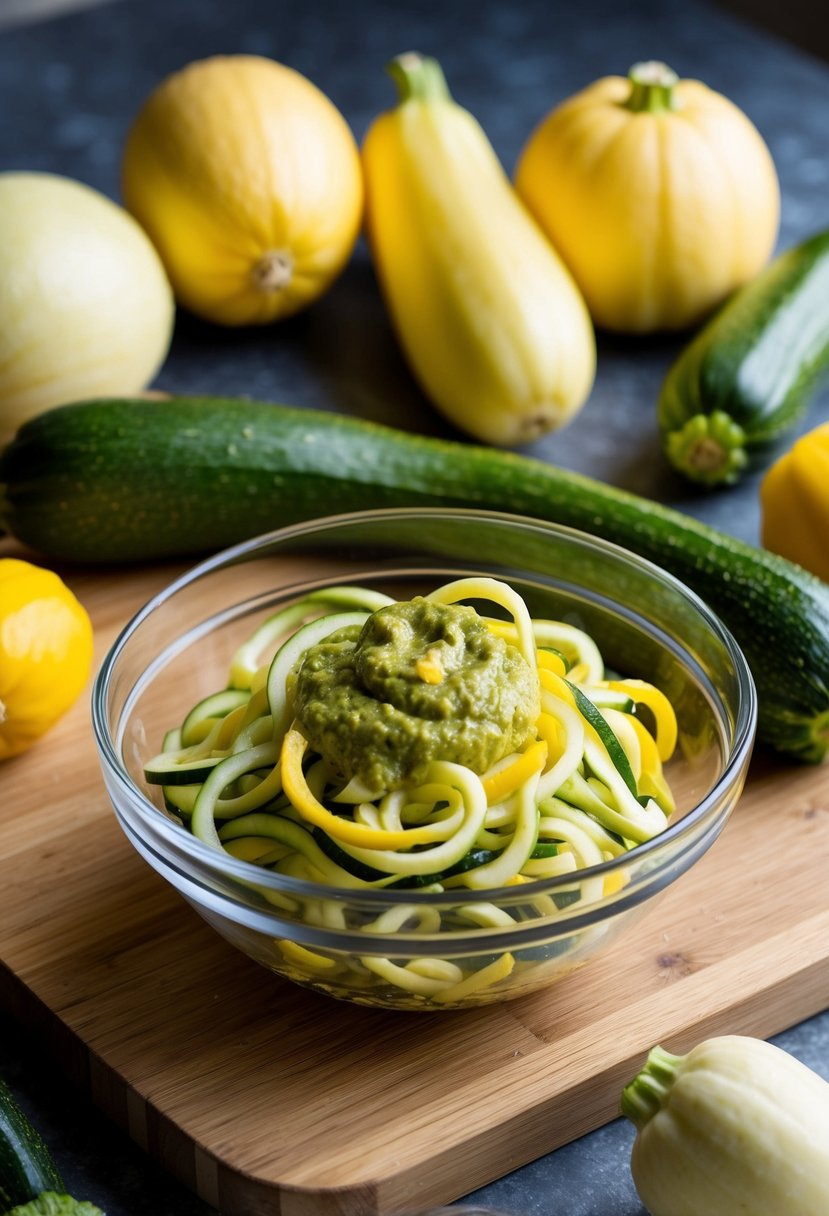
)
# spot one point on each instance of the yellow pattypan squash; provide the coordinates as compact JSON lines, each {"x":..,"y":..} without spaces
{"x":659,"y":194}
{"x":794,"y":501}
{"x":247,"y":179}
{"x":45,"y":652}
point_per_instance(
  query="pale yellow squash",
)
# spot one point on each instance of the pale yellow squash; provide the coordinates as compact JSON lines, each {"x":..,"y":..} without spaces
{"x":490,"y":320}
{"x":737,"y":1127}
{"x":659,"y":193}
{"x":248,"y":180}
{"x":85,"y":306}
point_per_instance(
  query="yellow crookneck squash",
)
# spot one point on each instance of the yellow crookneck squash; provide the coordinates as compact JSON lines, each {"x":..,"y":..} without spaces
{"x":490,"y":320}
{"x":45,"y":652}
{"x":794,"y":502}
{"x":659,"y":193}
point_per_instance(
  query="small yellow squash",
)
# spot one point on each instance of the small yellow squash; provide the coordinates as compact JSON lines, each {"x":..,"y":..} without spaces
{"x":45,"y":652}
{"x":490,"y":320}
{"x":248,"y":180}
{"x":659,"y":193}
{"x":794,"y":501}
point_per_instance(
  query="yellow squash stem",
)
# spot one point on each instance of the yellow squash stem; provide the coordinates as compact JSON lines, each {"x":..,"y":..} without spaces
{"x":647,"y":1092}
{"x":652,"y":88}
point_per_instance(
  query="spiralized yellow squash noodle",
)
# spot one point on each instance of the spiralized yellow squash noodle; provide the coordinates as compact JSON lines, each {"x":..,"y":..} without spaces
{"x":584,"y":784}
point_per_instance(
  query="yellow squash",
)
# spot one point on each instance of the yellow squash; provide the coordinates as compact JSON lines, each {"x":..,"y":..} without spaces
{"x":490,"y":320}
{"x":248,"y":180}
{"x":45,"y":652}
{"x":659,"y":193}
{"x":794,"y":500}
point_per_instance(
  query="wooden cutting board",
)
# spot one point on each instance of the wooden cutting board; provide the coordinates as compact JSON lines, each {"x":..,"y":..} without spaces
{"x":265,"y":1098}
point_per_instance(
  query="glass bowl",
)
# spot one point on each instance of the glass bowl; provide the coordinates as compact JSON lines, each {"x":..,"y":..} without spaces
{"x":390,"y":947}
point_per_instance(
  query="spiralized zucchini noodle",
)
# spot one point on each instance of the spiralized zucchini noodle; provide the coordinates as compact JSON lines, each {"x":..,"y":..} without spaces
{"x":581,"y":781}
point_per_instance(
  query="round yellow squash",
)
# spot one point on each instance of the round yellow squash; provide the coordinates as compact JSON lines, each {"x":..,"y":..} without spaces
{"x":248,"y":180}
{"x":45,"y":652}
{"x":659,"y":193}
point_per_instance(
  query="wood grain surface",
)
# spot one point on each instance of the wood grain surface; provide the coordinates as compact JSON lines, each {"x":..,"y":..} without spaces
{"x":265,"y":1098}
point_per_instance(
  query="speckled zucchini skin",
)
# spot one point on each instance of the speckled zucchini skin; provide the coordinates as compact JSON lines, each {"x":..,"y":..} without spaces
{"x":27,"y":1167}
{"x":116,"y":481}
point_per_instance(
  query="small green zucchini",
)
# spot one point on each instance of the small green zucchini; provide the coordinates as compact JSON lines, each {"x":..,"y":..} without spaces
{"x":747,"y":377}
{"x":118,"y":480}
{"x":166,"y":771}
{"x":736,"y":1125}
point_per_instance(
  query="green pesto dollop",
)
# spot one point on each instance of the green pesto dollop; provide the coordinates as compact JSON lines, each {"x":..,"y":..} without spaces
{"x":418,"y":681}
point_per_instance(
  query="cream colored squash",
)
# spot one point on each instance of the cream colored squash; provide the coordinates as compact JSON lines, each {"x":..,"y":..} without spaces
{"x":85,"y":306}
{"x":736,"y":1126}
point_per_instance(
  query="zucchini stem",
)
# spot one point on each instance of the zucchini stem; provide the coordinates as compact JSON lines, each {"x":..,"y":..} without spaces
{"x":652,"y":88}
{"x":648,"y":1092}
{"x":709,"y":448}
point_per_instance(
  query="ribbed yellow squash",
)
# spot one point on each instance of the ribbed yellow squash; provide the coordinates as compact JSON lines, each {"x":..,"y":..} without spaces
{"x":659,"y":193}
{"x":490,"y":320}
{"x":248,"y":180}
{"x":794,"y":500}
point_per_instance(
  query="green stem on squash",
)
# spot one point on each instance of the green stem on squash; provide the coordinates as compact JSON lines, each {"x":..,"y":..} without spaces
{"x":709,"y":448}
{"x":418,"y":78}
{"x":652,"y":88}
{"x":646,"y":1094}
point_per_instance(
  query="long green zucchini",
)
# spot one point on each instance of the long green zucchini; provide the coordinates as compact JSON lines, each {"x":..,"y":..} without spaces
{"x":114,"y":481}
{"x":746,"y":378}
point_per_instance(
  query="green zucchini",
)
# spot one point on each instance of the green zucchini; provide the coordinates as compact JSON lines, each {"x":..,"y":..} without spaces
{"x":747,"y":377}
{"x":162,"y":770}
{"x":470,"y":861}
{"x":106,"y":481}
{"x":27,"y":1167}
{"x":615,"y":751}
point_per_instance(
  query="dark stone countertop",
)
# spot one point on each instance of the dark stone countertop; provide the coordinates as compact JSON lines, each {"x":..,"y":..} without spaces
{"x":69,"y":87}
